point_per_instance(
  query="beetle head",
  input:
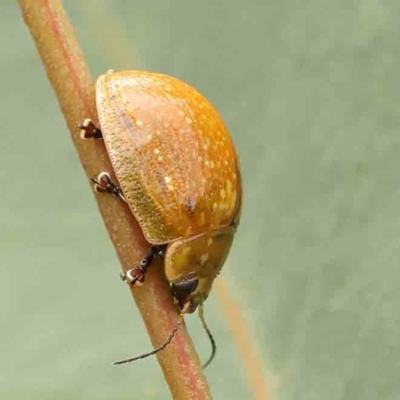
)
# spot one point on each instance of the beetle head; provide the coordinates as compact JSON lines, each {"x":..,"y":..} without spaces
{"x":192,"y":264}
{"x":190,"y":291}
{"x":191,"y":296}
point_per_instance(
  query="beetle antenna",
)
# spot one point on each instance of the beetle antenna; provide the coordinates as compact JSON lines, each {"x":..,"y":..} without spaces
{"x":158,"y":349}
{"x":210,"y":336}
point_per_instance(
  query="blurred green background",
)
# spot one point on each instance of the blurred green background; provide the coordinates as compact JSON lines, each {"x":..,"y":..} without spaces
{"x":310,"y":91}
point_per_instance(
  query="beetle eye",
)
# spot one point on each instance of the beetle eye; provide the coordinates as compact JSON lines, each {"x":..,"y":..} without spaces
{"x":184,"y":287}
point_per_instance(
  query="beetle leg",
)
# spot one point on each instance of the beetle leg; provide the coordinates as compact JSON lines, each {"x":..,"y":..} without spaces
{"x":104,"y":184}
{"x":89,"y":130}
{"x":136,"y":275}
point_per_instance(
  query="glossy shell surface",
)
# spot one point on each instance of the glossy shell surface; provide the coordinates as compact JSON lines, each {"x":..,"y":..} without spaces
{"x":171,"y":153}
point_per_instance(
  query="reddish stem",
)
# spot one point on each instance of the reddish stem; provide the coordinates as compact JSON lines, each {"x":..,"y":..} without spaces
{"x":70,"y":78}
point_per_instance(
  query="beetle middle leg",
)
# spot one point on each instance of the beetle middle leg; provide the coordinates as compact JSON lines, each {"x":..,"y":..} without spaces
{"x":104,"y":184}
{"x":137,"y":274}
{"x":89,"y":130}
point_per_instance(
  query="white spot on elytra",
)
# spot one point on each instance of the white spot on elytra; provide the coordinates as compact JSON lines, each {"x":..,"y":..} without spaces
{"x":204,"y":258}
{"x":139,"y":122}
{"x":188,"y":120}
{"x":167,"y":179}
{"x":156,"y":151}
{"x":210,"y":242}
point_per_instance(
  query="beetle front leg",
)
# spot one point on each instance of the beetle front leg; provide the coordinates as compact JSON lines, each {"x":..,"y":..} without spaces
{"x":104,"y":184}
{"x":136,"y":275}
{"x":89,"y":130}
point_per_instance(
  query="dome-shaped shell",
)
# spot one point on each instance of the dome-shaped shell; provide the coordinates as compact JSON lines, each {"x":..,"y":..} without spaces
{"x":171,"y":153}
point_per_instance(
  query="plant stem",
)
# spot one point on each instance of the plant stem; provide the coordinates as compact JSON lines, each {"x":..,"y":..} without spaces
{"x":70,"y":78}
{"x":252,"y":363}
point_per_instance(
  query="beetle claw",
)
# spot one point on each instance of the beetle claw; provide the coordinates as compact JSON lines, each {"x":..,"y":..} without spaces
{"x":89,"y":130}
{"x":104,"y":184}
{"x":132,"y":277}
{"x":136,"y":276}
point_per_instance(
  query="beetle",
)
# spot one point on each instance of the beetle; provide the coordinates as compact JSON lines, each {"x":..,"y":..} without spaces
{"x":178,"y":171}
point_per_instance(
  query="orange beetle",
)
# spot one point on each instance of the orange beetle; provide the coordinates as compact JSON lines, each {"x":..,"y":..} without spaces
{"x":177,"y":170}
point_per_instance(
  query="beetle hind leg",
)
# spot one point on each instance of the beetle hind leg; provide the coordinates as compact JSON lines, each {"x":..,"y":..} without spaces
{"x":136,"y":275}
{"x":104,"y":184}
{"x":89,"y":130}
